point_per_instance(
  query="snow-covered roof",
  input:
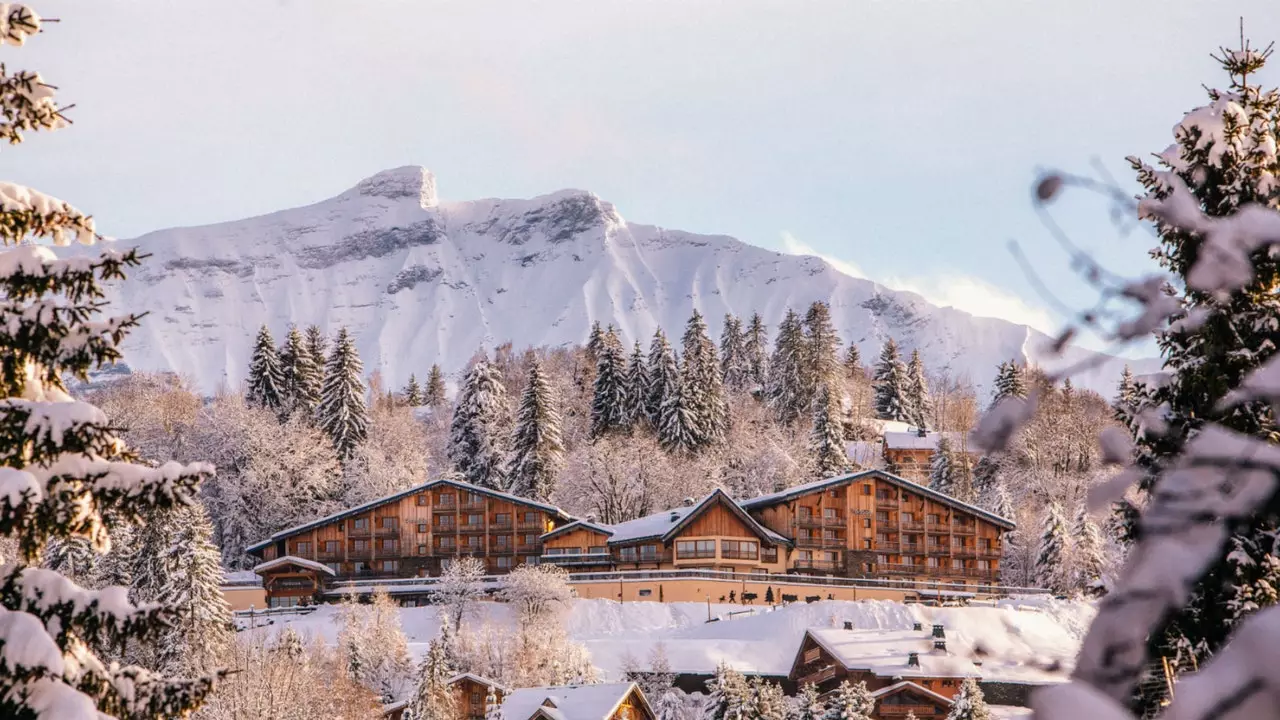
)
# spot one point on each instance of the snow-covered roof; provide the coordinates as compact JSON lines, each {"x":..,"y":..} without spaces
{"x":576,"y":525}
{"x":913,"y":440}
{"x":907,"y":684}
{"x":569,"y":702}
{"x":884,"y":426}
{"x":403,"y":494}
{"x":886,"y":652}
{"x":798,"y":490}
{"x":477,"y":679}
{"x":291,"y":560}
{"x":241,"y":578}
{"x":667,"y":523}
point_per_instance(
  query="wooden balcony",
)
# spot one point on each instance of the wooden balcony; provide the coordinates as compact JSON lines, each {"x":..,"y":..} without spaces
{"x":817,"y":678}
{"x":958,"y":529}
{"x":472,"y":505}
{"x":502,"y":550}
{"x":696,"y":555}
{"x":448,"y":507}
{"x":536,"y":526}
{"x":739,"y":555}
{"x":818,"y":542}
{"x":387,"y":531}
{"x":834,"y":522}
{"x":812,"y":521}
{"x":500,"y":527}
{"x":524,"y":549}
{"x":444,"y":528}
{"x":334,"y":556}
{"x":359,"y":533}
{"x":884,"y":503}
{"x":820,"y":565}
{"x":925,"y":711}
{"x":577,"y":559}
{"x":989,"y":553}
{"x":886,"y":547}
{"x":471,"y":529}
{"x":964,"y":552}
{"x":911,"y":525}
{"x":938,"y":528}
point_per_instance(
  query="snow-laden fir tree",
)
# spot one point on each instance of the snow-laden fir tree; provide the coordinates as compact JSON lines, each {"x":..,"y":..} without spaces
{"x":609,"y":400}
{"x":266,"y":384}
{"x":342,"y":413}
{"x":755,"y":347}
{"x":729,"y":696}
{"x":635,"y":406}
{"x":822,"y":351}
{"x":808,"y":706}
{"x":1125,"y":391}
{"x":317,"y":347}
{"x":851,"y":701}
{"x":412,"y":392}
{"x":477,"y":442}
{"x":921,"y":402}
{"x":433,"y":698}
{"x":595,"y":342}
{"x":785,"y":387}
{"x":63,"y":472}
{"x":852,"y":362}
{"x":969,"y":703}
{"x":1089,"y":553}
{"x":768,"y":702}
{"x":1010,"y":382}
{"x":302,"y":377}
{"x":678,"y":430}
{"x":1050,"y":571}
{"x":826,"y":439}
{"x":892,"y":401}
{"x":434,"y":394}
{"x":701,"y":386}
{"x":1223,"y":153}
{"x":941,"y":468}
{"x":664,"y":377}
{"x":73,"y":558}
{"x":203,"y":628}
{"x":537,"y":449}
{"x":733,"y":354}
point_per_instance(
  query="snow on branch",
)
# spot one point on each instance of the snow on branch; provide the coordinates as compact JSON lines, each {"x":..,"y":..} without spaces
{"x":17,"y":23}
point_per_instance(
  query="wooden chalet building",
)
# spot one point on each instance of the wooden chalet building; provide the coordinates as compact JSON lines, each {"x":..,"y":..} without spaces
{"x":613,"y":701}
{"x":472,"y":691}
{"x":907,"y":671}
{"x":413,"y":533}
{"x":910,"y":454}
{"x":873,"y":524}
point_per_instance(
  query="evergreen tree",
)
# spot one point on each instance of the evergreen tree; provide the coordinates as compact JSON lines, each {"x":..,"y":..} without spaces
{"x":701,"y":387}
{"x":434,"y":395}
{"x":413,"y":392}
{"x":73,"y":558}
{"x":1125,"y":390}
{"x":1010,"y":382}
{"x":826,"y":441}
{"x":1226,"y":165}
{"x":755,"y":343}
{"x":66,"y":475}
{"x":918,"y":398}
{"x":635,"y":406}
{"x":301,"y":375}
{"x":477,"y":445}
{"x":767,"y":700}
{"x":822,"y":352}
{"x":785,"y":389}
{"x":942,"y":471}
{"x":664,"y":376}
{"x":969,"y":704}
{"x":203,"y":628}
{"x":808,"y":705}
{"x":891,"y":382}
{"x":734,"y":367}
{"x":266,"y":376}
{"x":851,"y":702}
{"x":852,"y":362}
{"x":609,"y":404}
{"x":1049,"y":571}
{"x":317,"y":346}
{"x":1089,"y":553}
{"x":433,"y":699}
{"x":492,"y":707}
{"x":536,"y":445}
{"x":342,"y":413}
{"x":728,"y":696}
{"x":988,"y":473}
{"x":677,"y":426}
{"x":595,"y":342}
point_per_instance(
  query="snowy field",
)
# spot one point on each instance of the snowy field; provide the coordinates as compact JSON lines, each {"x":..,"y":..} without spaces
{"x":1020,"y":635}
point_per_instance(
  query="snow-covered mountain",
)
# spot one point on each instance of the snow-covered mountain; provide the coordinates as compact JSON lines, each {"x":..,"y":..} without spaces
{"x":420,"y":281}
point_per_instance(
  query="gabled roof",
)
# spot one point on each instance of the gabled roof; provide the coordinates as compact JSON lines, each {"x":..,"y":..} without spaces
{"x":913,"y":440}
{"x":578,"y":525}
{"x":818,"y":485}
{"x":886,"y":653}
{"x":570,"y":702}
{"x":403,"y":494}
{"x":477,"y":679}
{"x":291,"y":560}
{"x":667,"y":524}
{"x":908,"y":685}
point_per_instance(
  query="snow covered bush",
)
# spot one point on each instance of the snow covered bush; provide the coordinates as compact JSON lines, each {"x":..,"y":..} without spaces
{"x":374,"y":645}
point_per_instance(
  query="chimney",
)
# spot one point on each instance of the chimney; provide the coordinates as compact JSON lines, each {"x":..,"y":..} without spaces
{"x":848,"y":624}
{"x":921,"y":432}
{"x":917,"y":627}
{"x":913,"y":659}
{"x":940,"y":645}
{"x":690,"y":502}
{"x":938,"y":632}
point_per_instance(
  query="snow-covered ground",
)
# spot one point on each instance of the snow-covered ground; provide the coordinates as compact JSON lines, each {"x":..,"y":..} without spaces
{"x":1020,"y":635}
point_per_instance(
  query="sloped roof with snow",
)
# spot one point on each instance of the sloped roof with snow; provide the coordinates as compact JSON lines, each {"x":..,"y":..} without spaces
{"x":886,"y":652}
{"x":668,"y":523}
{"x":477,"y":679}
{"x":578,"y":525}
{"x":292,"y":560}
{"x":908,"y":685}
{"x":913,"y":440}
{"x":403,"y":494}
{"x":569,"y":702}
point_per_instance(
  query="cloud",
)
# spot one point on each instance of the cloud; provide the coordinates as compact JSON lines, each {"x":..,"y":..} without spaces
{"x":962,"y":292}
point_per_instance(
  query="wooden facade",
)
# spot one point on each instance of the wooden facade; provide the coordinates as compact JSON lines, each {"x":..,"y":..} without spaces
{"x":910,"y":454}
{"x":415,"y":533}
{"x":471,"y":692}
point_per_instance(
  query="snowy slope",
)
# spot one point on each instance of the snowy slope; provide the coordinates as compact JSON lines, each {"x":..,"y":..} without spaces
{"x":421,"y":281}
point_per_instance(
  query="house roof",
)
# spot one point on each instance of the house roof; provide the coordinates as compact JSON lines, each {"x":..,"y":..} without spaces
{"x":570,"y":702}
{"x":291,"y":560}
{"x":403,"y":494}
{"x":667,"y":524}
{"x":578,"y":525}
{"x":913,"y":440}
{"x":886,"y":652}
{"x":477,"y":679}
{"x":798,"y":490}
{"x":908,"y":685}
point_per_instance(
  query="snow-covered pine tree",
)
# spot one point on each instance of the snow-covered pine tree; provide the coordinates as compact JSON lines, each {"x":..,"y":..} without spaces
{"x":701,"y":386}
{"x":1052,"y":554}
{"x":728,"y":694}
{"x":826,"y":440}
{"x":203,"y":628}
{"x":808,"y":705}
{"x":432,"y":698}
{"x":767,"y":700}
{"x":1010,"y":382}
{"x":302,"y":377}
{"x":412,"y":392}
{"x":664,"y":375}
{"x":851,"y":701}
{"x":477,"y":445}
{"x":434,"y":394}
{"x":609,"y":400}
{"x":1125,"y":390}
{"x":73,"y":558}
{"x":1089,"y":556}
{"x":342,"y":413}
{"x":785,"y":391}
{"x":65,"y":474}
{"x":266,"y":384}
{"x":595,"y":342}
{"x":821,"y":353}
{"x":918,"y":397}
{"x":317,"y":347}
{"x":891,"y":401}
{"x":537,"y":447}
{"x":733,"y":354}
{"x":677,"y":426}
{"x":942,"y":471}
{"x":492,"y":707}
{"x":969,"y":703}
{"x":755,"y":341}
{"x":635,"y":407}
{"x":852,"y":361}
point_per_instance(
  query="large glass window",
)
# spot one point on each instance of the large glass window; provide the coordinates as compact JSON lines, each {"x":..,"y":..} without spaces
{"x":740,"y":549}
{"x":687,"y":549}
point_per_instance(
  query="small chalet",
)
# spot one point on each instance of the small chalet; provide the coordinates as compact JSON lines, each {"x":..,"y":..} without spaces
{"x":906,"y":670}
{"x":910,"y":453}
{"x":615,"y":701}
{"x":472,"y":691}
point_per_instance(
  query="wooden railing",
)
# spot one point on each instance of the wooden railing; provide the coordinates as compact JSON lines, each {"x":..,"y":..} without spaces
{"x":534,"y":526}
{"x":817,"y":678}
{"x":915,"y":525}
{"x":467,"y":529}
{"x":816,"y":565}
{"x":902,"y":710}
{"x":739,"y":554}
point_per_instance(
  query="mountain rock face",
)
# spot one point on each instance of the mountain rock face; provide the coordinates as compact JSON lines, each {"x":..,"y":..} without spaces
{"x":419,"y":281}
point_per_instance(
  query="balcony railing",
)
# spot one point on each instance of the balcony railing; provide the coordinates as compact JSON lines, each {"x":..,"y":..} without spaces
{"x":825,"y":565}
{"x":938,"y":527}
{"x":809,"y":521}
{"x":739,"y":555}
{"x":502,"y":550}
{"x":645,"y":558}
{"x":577,"y":559}
{"x":888,"y":503}
{"x":964,"y":552}
{"x":473,"y":504}
{"x":903,"y":710}
{"x":445,"y":507}
{"x":886,"y":547}
{"x":819,"y":677}
{"x":958,"y":529}
{"x":532,"y":526}
{"x":356,"y":532}
{"x":696,"y":555}
{"x":990,"y":553}
{"x":330,"y":555}
{"x":524,"y":549}
{"x":820,"y":542}
{"x":500,"y":526}
{"x":386,"y":531}
{"x":470,"y":529}
{"x":444,"y":528}
{"x":916,"y":525}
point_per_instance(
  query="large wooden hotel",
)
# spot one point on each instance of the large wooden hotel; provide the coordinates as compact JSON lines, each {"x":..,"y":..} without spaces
{"x":870,"y":525}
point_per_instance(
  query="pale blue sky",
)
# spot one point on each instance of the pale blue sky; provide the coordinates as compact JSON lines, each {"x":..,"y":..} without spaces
{"x":898,"y":136}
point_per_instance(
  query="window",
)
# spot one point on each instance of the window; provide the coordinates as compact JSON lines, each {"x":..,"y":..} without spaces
{"x":390,"y":544}
{"x":502,"y":519}
{"x":562,"y":551}
{"x":934,"y":518}
{"x":882,"y":559}
{"x":303,"y":548}
{"x":933,"y":540}
{"x":502,"y":562}
{"x":984,"y":543}
{"x":422,"y":527}
{"x":957,"y":563}
{"x":422,"y":549}
{"x":829,"y":513}
{"x":882,"y":516}
{"x":597,"y":550}
{"x":931,"y":561}
{"x":390,"y":565}
{"x":476,"y":699}
{"x":360,"y":524}
{"x":830,"y":535}
{"x":645,"y":592}
{"x":908,"y":517}
{"x":866,"y":543}
{"x":359,"y":546}
{"x":984,"y":564}
{"x":475,"y":520}
{"x":361,"y":567}
{"x":866,"y":489}
{"x":830,"y":556}
{"x":948,"y":683}
{"x":627,"y":554}
{"x":531,"y":517}
{"x":446,"y":498}
{"x":649,"y":553}
{"x":866,"y":522}
{"x":504,"y":541}
{"x":445,"y":542}
{"x":530,"y":539}
{"x":805,"y":512}
{"x":804,"y":555}
{"x":475,"y":541}
{"x":740,"y":549}
{"x":335,"y":567}
{"x":444,"y":522}
{"x":422,"y":499}
{"x":331,"y":546}
{"x":473,"y":498}
{"x":695,"y":549}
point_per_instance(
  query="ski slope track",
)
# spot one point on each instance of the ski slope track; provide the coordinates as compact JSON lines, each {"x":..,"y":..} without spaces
{"x":420,"y":281}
